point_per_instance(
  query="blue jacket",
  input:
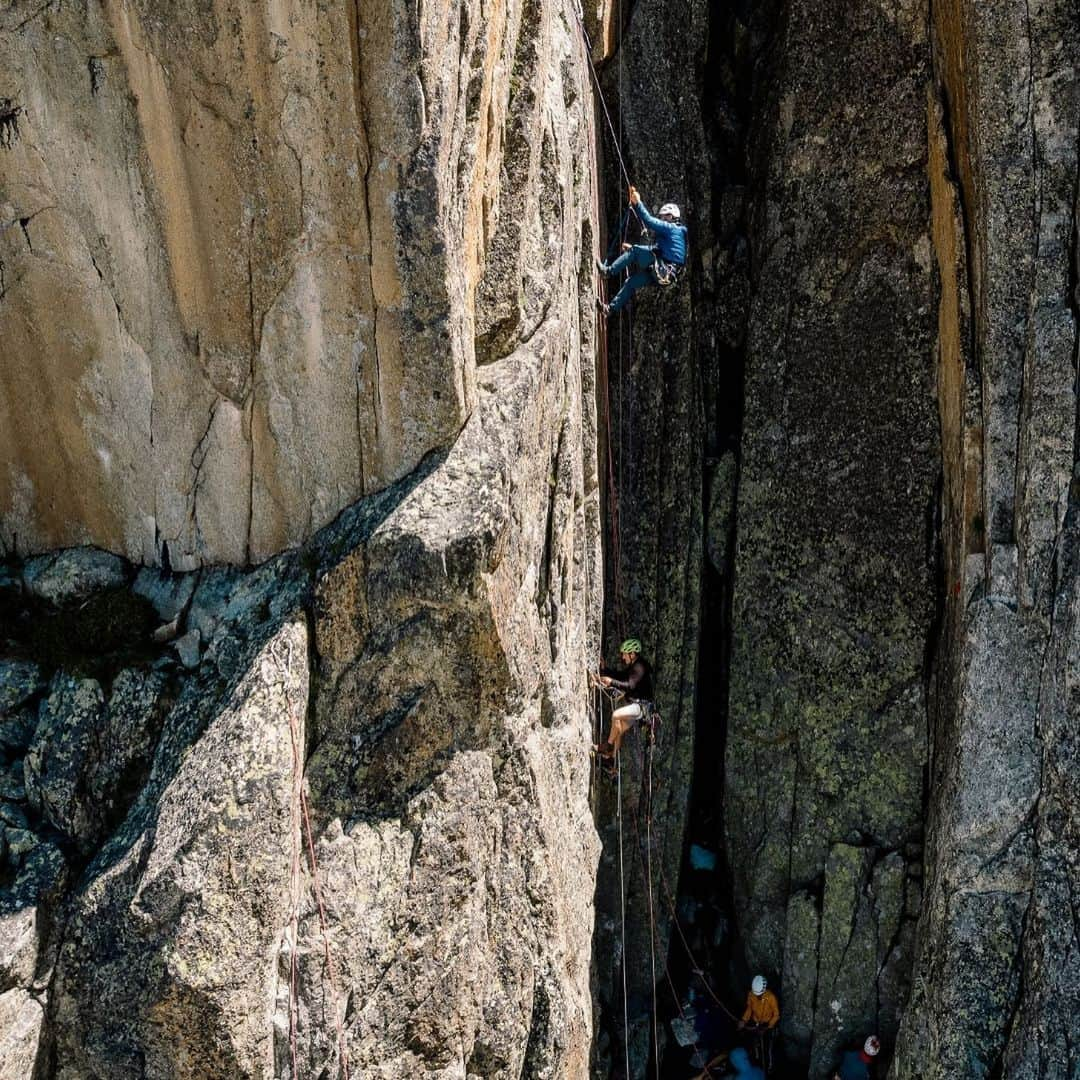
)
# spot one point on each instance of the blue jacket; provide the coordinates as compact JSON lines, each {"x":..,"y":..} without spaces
{"x":852,"y":1066}
{"x":670,"y":237}
{"x":739,"y":1060}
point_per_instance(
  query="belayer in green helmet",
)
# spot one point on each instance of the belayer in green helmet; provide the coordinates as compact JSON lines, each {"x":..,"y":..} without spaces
{"x":659,"y":260}
{"x":634,"y":682}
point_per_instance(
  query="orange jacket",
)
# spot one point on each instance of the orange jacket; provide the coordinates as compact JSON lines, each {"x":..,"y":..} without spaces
{"x":762,"y":1010}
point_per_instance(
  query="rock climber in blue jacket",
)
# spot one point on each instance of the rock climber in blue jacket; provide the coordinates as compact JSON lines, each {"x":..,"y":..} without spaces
{"x":661,"y":261}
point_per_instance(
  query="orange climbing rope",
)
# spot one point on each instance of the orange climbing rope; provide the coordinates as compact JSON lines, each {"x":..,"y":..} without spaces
{"x":343,"y":1050}
{"x":616,"y":551}
{"x":652,"y":920}
{"x":300,"y":811}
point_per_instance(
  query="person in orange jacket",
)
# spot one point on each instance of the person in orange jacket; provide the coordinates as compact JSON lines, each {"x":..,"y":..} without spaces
{"x":762,"y":1008}
{"x":761,"y":1015}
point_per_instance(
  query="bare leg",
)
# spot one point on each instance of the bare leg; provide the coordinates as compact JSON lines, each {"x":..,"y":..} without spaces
{"x":622,"y":720}
{"x":617,"y":733}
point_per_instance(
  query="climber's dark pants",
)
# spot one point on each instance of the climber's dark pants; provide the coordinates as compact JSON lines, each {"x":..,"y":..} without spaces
{"x":641,"y":257}
{"x":764,"y":1047}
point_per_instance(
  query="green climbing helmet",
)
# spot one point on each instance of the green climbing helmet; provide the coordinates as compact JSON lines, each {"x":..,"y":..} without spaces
{"x":631,"y":644}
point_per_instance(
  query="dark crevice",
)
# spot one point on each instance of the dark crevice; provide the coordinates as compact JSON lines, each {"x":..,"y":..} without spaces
{"x":9,"y":123}
{"x":96,"y":68}
{"x":729,"y":82}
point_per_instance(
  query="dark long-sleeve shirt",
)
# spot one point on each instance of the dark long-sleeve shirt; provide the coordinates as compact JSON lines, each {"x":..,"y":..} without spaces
{"x":670,"y":236}
{"x":635,"y":681}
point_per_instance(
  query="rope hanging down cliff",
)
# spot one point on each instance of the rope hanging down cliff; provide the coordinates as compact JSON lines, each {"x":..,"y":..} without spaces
{"x":302,"y":825}
{"x":620,"y":238}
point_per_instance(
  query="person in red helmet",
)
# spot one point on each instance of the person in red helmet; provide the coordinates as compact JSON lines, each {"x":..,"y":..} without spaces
{"x":855,"y":1064}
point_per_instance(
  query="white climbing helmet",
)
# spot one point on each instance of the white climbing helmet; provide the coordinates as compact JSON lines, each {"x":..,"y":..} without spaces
{"x":758,"y":985}
{"x":872,"y":1046}
{"x":669,"y":209}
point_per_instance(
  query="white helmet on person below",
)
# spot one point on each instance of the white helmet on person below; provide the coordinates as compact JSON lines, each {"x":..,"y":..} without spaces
{"x":758,"y":985}
{"x":872,"y":1046}
{"x":669,"y":209}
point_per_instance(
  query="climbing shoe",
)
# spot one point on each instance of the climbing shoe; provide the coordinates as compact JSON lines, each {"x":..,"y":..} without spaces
{"x":604,"y":750}
{"x":605,"y":309}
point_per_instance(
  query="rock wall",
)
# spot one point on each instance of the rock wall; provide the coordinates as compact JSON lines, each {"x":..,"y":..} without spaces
{"x":267,"y":230}
{"x":256,"y":823}
{"x":995,"y":992}
{"x":903,"y":629}
{"x":834,"y":590}
{"x":311,"y":288}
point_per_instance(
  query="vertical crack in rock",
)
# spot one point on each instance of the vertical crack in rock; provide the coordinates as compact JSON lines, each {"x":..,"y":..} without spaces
{"x":9,"y":123}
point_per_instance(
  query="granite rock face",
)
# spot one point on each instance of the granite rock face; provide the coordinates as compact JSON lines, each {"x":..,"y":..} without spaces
{"x":995,"y":989}
{"x":416,"y":899}
{"x":243,"y":258}
{"x":902,"y":633}
{"x":834,"y":581}
{"x":333,"y":267}
{"x":311,"y":288}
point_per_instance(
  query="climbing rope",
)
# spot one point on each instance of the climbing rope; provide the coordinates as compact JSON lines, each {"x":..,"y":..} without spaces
{"x":613,"y":497}
{"x":615,"y":139}
{"x":616,"y":548}
{"x":695,"y":967}
{"x":653,"y":933}
{"x":622,"y":916}
{"x":343,"y":1050}
{"x":652,"y":920}
{"x":294,"y":890}
{"x":612,"y":697}
{"x":300,"y":810}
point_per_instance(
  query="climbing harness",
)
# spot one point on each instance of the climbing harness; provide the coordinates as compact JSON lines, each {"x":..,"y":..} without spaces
{"x":666,"y":273}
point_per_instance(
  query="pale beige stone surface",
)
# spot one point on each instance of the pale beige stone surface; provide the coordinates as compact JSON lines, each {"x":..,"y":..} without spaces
{"x":242,"y":250}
